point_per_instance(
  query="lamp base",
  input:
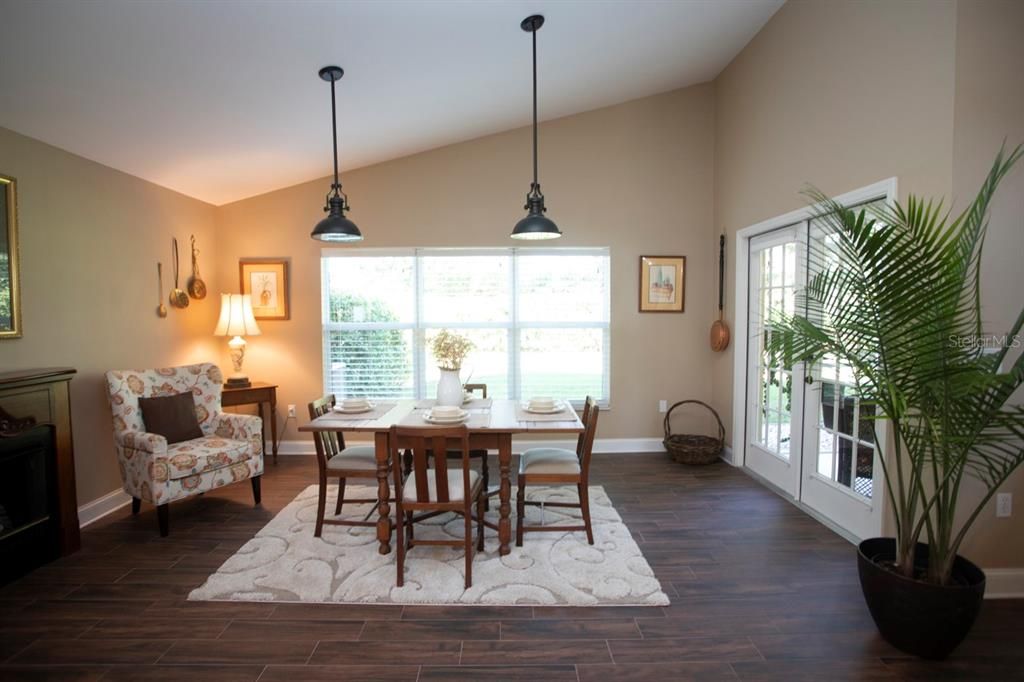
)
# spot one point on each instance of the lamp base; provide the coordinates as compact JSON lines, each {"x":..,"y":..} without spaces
{"x":238,"y":382}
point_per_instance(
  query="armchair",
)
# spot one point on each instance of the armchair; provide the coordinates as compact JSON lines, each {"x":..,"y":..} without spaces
{"x":230,"y":450}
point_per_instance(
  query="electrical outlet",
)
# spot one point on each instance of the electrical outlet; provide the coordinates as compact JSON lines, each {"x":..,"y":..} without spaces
{"x":1004,"y":505}
{"x":663,"y":406}
{"x":291,"y":411}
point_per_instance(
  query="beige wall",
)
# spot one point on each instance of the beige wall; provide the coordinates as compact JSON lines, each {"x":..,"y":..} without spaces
{"x":838,"y":94}
{"x":636,"y":177}
{"x":90,"y":239}
{"x":989,"y":109}
{"x":923,"y":91}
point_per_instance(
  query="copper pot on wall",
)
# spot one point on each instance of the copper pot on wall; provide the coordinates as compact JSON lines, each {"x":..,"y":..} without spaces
{"x":719,"y":329}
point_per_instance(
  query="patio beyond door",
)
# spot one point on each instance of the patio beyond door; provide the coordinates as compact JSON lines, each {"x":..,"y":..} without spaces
{"x":807,"y":432}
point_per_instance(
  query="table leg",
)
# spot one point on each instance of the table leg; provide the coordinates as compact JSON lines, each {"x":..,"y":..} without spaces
{"x":273,"y":427}
{"x":381,"y":451}
{"x":505,"y":493}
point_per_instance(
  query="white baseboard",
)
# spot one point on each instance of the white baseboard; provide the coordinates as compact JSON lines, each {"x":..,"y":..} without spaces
{"x":1004,"y":583}
{"x":91,"y":512}
{"x":601,"y":445}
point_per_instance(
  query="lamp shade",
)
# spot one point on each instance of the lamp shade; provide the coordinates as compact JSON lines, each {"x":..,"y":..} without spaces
{"x":236,"y":318}
{"x":535,"y":226}
{"x":336,"y":227}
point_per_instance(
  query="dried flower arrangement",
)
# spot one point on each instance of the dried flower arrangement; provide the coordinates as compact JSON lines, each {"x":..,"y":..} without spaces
{"x":450,"y":349}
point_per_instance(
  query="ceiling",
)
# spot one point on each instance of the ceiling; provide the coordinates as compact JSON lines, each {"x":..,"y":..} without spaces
{"x":220,"y":99}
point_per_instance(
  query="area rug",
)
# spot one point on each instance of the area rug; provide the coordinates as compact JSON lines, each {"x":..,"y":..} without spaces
{"x":285,"y":563}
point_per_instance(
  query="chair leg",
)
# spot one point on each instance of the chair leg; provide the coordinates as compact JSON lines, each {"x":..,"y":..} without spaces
{"x":400,"y":547}
{"x":321,"y":503}
{"x":520,"y":511}
{"x":410,"y":526}
{"x":487,"y":479}
{"x":341,"y":496}
{"x":469,"y":545}
{"x":162,"y":519}
{"x":256,"y":496}
{"x":585,"y":508}
{"x":136,"y":506}
{"x":481,"y":503}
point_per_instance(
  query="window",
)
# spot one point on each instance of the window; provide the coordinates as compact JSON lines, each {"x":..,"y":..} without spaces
{"x":539,"y":319}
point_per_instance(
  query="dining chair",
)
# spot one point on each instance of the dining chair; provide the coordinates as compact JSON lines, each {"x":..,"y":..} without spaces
{"x":558,"y":466}
{"x":429,"y":491}
{"x":334,"y":459}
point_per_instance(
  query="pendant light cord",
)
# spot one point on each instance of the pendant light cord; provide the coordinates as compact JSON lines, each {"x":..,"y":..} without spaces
{"x":536,"y":184}
{"x":334,"y":132}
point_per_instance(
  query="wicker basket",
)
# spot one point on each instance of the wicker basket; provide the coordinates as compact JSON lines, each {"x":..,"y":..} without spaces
{"x":693,"y":449}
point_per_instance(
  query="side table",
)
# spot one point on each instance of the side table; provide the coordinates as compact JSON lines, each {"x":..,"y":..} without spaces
{"x":258,"y":394}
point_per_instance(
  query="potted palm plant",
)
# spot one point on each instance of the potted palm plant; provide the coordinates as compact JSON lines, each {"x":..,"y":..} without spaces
{"x":898,"y":298}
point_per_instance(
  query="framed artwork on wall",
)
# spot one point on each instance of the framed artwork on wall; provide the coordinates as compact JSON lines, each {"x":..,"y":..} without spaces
{"x":662,"y":284}
{"x":266,"y":280}
{"x":10,"y":304}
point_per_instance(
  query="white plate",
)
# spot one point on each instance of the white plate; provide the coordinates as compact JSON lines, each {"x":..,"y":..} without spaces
{"x":456,"y":419}
{"x":559,"y":407}
{"x":357,"y":410}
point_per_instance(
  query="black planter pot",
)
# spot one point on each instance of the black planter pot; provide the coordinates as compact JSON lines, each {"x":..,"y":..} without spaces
{"x":917,"y":617}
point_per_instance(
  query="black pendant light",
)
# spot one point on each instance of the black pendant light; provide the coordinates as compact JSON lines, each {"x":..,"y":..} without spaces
{"x":335,"y":227}
{"x":535,"y":225}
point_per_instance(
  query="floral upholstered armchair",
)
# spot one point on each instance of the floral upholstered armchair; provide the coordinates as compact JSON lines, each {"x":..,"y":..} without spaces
{"x":230,"y":449}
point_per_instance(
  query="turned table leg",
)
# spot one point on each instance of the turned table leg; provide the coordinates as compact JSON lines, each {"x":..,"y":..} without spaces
{"x":505,"y":493}
{"x":381,"y":451}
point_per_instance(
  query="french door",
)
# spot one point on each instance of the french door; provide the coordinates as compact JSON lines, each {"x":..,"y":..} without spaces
{"x":808,"y":433}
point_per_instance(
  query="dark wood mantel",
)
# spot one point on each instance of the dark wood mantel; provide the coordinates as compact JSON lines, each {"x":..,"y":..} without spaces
{"x":30,"y":398}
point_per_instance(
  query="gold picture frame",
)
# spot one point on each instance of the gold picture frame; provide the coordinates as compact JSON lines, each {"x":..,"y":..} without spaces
{"x":266,"y":280}
{"x":662,"y":284}
{"x":10,"y":274}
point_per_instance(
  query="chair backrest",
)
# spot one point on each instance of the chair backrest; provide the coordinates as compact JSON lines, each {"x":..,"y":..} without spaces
{"x":328,"y":443}
{"x":124,"y":388}
{"x":586,"y":441}
{"x":431,"y":444}
{"x":470,"y":388}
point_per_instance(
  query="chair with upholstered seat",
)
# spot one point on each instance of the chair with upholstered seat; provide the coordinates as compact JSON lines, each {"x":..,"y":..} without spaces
{"x":157,"y":471}
{"x":427,"y":492}
{"x":556,"y":466}
{"x":334,"y":460}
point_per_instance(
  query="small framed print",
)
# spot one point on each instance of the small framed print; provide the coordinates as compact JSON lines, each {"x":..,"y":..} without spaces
{"x":662,"y":284}
{"x":266,"y":280}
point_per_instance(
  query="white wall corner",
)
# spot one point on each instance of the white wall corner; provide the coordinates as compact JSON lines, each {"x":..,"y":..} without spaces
{"x":91,"y":512}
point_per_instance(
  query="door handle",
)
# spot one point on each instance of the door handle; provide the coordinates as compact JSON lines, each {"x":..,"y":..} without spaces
{"x":809,"y":379}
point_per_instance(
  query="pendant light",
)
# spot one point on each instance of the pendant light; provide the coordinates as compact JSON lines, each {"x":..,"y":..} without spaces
{"x":535,"y":225}
{"x":335,"y":227}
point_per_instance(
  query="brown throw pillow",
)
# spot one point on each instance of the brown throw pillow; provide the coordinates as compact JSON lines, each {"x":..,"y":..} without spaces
{"x":171,"y":416}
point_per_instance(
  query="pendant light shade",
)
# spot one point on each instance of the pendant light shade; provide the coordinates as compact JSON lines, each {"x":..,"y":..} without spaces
{"x":335,"y":227}
{"x":535,"y":225}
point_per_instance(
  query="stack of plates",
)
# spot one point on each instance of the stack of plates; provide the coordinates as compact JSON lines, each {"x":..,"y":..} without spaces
{"x":445,"y":415}
{"x":544,"y":406}
{"x":354,"y":406}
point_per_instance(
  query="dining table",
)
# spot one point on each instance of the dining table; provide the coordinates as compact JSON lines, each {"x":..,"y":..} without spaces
{"x":490,"y":428}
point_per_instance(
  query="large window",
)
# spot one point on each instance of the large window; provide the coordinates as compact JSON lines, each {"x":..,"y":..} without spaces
{"x":538,"y":319}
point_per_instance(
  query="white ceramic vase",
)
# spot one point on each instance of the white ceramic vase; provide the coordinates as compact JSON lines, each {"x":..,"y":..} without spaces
{"x":449,"y":388}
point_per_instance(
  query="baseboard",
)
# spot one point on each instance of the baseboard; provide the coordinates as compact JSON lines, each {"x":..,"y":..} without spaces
{"x":91,"y":512}
{"x":1004,"y":583}
{"x":601,"y":445}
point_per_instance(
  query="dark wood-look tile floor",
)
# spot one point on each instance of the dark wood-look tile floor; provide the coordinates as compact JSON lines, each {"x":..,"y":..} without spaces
{"x":759,"y":591}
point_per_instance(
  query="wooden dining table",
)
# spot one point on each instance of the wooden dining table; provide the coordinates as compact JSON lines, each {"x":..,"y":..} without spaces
{"x":490,"y":428}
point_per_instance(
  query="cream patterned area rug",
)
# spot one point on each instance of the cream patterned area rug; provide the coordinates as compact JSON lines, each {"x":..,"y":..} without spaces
{"x":285,"y":563}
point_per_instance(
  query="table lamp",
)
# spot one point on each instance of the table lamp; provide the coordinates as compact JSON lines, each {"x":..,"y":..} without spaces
{"x":236,"y":321}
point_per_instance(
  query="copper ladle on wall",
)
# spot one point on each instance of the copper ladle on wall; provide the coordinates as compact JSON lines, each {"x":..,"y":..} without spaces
{"x":719,"y":329}
{"x":178,"y":298}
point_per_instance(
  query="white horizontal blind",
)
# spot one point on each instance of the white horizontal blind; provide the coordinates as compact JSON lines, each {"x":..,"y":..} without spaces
{"x":539,"y":319}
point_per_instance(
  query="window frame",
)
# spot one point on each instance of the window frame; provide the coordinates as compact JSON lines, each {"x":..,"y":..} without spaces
{"x":513,"y":326}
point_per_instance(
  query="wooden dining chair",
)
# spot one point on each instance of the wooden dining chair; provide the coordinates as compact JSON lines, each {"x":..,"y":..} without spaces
{"x":336,"y":460}
{"x":429,"y":491}
{"x":557,"y":466}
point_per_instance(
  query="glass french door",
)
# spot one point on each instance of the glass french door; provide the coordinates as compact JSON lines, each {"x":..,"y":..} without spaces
{"x":808,"y":433}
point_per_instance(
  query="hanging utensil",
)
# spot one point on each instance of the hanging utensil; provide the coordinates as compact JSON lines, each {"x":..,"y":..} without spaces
{"x":161,"y":309}
{"x":719,"y":329}
{"x":196,"y":286}
{"x":178,"y":298}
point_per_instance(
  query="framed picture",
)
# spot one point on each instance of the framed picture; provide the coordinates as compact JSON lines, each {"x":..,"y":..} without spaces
{"x":266,"y":280}
{"x":10,"y":304}
{"x":662,"y":284}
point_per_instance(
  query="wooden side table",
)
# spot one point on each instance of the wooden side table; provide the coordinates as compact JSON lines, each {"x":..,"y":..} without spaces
{"x":258,"y":394}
